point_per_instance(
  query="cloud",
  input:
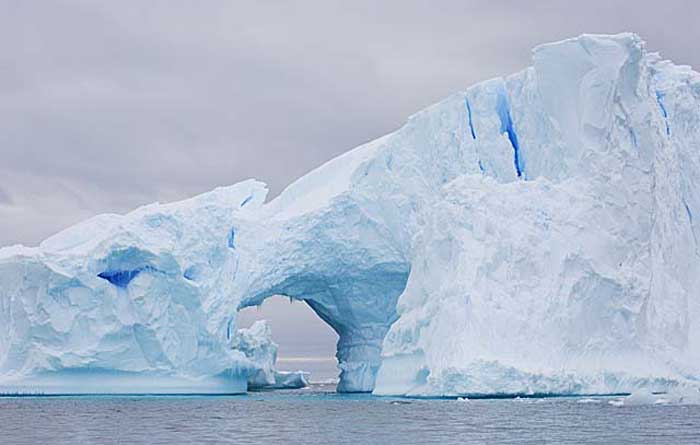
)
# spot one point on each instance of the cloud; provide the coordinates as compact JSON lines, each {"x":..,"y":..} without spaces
{"x":124,"y":103}
{"x":4,"y":197}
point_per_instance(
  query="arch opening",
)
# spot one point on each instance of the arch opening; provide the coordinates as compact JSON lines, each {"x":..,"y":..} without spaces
{"x":305,"y":342}
{"x":359,"y":305}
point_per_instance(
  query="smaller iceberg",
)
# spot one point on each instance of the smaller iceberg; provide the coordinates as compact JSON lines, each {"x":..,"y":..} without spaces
{"x":287,"y":380}
{"x":257,"y":345}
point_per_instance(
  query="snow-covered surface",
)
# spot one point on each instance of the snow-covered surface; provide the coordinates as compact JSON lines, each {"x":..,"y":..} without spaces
{"x":533,"y":234}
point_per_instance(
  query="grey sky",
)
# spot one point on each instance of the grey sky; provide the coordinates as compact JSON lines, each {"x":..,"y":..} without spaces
{"x":106,"y":105}
{"x":109,"y":105}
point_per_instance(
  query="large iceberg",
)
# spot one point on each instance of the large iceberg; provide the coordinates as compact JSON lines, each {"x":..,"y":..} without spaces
{"x":533,"y":234}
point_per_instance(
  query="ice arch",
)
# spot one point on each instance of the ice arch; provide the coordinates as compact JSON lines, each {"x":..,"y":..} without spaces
{"x":351,"y":275}
{"x":155,"y":292}
{"x":342,"y":237}
{"x":359,"y":306}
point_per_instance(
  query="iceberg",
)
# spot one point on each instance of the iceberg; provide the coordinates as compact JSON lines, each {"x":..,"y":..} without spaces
{"x":119,"y":303}
{"x":257,"y":345}
{"x":534,"y":234}
{"x":284,"y":380}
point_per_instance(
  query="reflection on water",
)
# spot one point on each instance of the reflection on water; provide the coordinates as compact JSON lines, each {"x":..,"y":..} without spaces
{"x":318,"y":415}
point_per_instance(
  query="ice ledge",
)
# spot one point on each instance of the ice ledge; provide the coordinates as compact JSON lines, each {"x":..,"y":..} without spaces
{"x":84,"y":382}
{"x":627,"y":39}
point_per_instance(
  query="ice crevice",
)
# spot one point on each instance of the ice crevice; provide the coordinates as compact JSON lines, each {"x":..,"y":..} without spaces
{"x":246,"y":201}
{"x":503,"y":109}
{"x":469,"y":117}
{"x":662,"y":107}
{"x":231,"y":239}
{"x":121,"y":278}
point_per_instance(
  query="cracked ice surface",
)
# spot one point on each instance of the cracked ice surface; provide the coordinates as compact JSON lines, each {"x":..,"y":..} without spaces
{"x":533,"y":234}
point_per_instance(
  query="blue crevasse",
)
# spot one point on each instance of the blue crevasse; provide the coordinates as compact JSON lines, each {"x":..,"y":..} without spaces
{"x":232,"y":238}
{"x":246,"y":201}
{"x":190,"y":273}
{"x":122,"y":278}
{"x":633,"y":137}
{"x":660,"y":95}
{"x":469,"y":115}
{"x":503,"y":109}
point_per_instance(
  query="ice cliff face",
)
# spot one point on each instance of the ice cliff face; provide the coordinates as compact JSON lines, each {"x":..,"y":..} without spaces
{"x":120,"y":303}
{"x":534,"y":234}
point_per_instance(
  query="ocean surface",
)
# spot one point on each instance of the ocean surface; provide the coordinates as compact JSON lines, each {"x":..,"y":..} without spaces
{"x":317,"y":415}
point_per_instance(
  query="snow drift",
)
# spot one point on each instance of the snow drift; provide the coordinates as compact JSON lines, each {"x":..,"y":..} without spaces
{"x":533,"y":234}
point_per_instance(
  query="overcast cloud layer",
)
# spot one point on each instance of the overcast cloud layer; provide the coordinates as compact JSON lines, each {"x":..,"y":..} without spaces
{"x":110,"y":105}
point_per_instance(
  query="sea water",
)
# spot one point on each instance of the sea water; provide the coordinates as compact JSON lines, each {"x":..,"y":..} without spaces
{"x":318,"y":415}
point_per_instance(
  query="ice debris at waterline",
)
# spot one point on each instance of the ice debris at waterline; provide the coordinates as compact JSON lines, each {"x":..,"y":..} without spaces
{"x":535,"y":234}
